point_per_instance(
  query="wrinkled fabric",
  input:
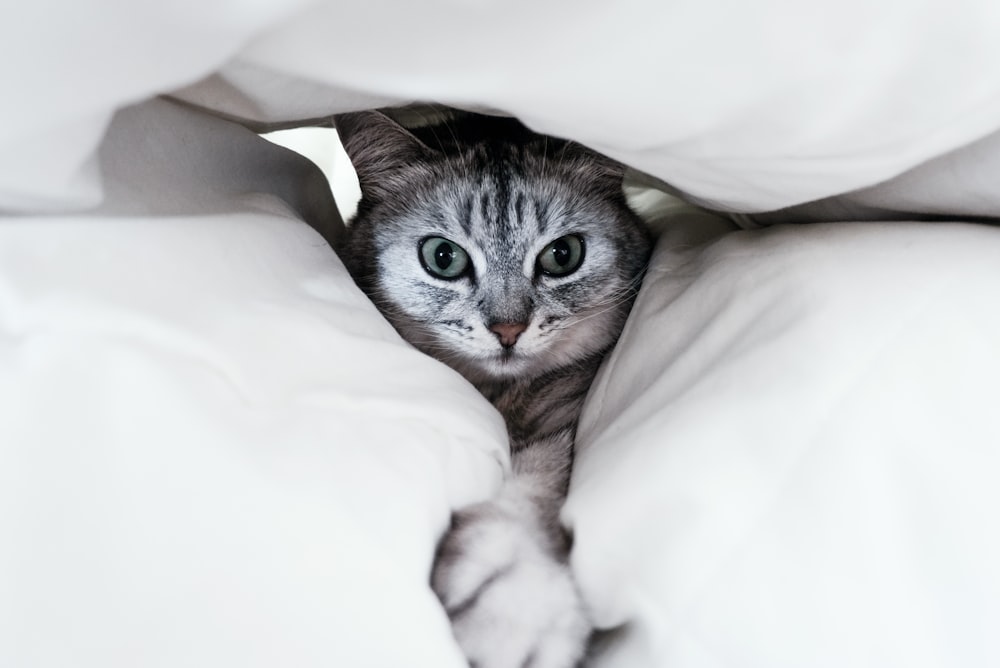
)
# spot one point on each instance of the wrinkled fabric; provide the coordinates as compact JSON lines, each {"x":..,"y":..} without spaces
{"x":790,"y":459}
{"x":214,"y":451}
{"x":746,"y":108}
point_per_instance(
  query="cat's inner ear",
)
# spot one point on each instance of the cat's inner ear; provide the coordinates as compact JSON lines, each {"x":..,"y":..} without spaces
{"x":378,"y":147}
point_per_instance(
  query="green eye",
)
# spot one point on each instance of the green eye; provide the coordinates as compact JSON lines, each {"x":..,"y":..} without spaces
{"x":561,"y":257}
{"x":443,"y":258}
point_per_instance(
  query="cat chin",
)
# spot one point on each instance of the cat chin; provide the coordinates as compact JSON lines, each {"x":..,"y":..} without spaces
{"x":503,"y":367}
{"x":518,"y":364}
{"x":499,"y":366}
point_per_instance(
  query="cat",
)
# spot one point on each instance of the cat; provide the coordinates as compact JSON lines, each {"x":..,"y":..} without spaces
{"x":514,"y":258}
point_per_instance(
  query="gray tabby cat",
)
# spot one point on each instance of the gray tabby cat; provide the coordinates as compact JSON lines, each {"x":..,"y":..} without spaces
{"x":514,"y":258}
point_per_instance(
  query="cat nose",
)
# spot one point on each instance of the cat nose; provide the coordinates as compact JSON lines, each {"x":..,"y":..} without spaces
{"x":508,"y":332}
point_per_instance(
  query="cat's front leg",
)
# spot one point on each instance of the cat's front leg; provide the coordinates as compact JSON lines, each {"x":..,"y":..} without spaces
{"x":502,"y":576}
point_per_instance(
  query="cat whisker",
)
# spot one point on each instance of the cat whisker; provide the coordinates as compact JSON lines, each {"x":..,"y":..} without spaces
{"x":617,"y":297}
{"x":574,"y":320}
{"x":626,"y":292}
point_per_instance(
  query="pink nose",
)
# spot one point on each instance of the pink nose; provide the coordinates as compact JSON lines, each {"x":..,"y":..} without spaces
{"x":508,"y":332}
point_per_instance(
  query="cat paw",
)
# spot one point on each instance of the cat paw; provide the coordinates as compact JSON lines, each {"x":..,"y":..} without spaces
{"x":511,"y":599}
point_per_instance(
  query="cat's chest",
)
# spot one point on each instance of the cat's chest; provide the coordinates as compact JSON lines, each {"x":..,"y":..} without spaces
{"x":538,"y":407}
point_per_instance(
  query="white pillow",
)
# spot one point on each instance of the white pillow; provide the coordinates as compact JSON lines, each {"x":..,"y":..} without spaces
{"x":791,"y":457}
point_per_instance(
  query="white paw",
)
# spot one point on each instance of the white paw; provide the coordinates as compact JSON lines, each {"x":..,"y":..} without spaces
{"x":511,"y":599}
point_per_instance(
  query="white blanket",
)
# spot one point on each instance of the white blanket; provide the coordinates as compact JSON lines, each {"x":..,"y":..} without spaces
{"x":213,"y":451}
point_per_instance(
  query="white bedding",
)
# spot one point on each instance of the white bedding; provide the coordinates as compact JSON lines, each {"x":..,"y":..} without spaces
{"x":791,"y":459}
{"x":213,"y":451}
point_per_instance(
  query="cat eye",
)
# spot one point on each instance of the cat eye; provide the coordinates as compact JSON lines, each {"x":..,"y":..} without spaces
{"x":561,"y":257}
{"x":443,"y":258}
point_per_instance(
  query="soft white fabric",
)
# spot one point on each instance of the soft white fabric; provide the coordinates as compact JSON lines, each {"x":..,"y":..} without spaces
{"x":791,"y":458}
{"x":746,"y":106}
{"x":68,"y":66}
{"x":213,"y":450}
{"x":959,"y":183}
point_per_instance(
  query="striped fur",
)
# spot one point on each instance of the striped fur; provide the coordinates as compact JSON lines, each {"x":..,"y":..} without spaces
{"x":502,"y":194}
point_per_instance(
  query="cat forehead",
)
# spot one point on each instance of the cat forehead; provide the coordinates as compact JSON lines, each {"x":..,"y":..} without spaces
{"x":509,"y":207}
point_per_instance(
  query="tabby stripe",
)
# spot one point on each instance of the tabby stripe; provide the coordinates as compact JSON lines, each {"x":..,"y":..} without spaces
{"x":485,"y":211}
{"x":519,"y":209}
{"x":542,"y":215}
{"x":504,"y":223}
{"x":465,"y":216}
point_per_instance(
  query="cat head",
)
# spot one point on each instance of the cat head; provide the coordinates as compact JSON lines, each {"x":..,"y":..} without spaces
{"x":500,"y":252}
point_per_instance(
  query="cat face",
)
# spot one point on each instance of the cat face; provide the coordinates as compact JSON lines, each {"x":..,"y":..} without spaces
{"x":501,"y":259}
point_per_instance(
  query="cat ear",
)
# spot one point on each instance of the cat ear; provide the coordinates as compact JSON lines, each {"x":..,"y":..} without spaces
{"x":592,"y":167}
{"x":378,"y":148}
